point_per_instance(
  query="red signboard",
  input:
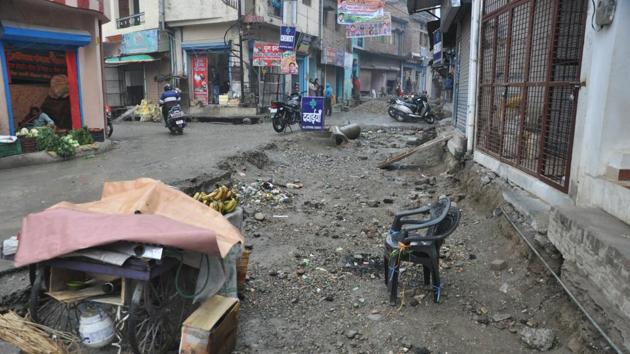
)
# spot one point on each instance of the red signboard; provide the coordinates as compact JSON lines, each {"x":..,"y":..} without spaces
{"x":267,"y":54}
{"x":200,"y":78}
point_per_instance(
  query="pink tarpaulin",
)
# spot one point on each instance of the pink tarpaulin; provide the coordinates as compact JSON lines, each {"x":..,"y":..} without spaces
{"x":142,"y":210}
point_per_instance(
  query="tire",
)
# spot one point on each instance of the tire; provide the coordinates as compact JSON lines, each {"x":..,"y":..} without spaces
{"x":429,"y":119}
{"x":279,"y":122}
{"x":110,"y":128}
{"x":392,"y":112}
{"x":399,"y":117}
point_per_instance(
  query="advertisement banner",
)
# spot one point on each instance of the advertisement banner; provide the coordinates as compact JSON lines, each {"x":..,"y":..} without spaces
{"x":374,"y":28}
{"x":267,"y":54}
{"x":312,"y":113}
{"x":339,"y":58}
{"x":287,"y":38}
{"x":348,"y":58}
{"x":437,"y":47}
{"x":329,"y":55}
{"x":140,"y":42}
{"x":200,"y":78}
{"x":354,"y":11}
{"x":289,"y":63}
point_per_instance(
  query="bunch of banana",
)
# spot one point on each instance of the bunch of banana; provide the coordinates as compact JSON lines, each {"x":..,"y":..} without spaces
{"x":222,"y":199}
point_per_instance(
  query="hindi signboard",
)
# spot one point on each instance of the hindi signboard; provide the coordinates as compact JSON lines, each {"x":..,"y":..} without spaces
{"x":200,"y":78}
{"x":287,"y":38}
{"x":312,"y":113}
{"x":353,"y":11}
{"x":375,"y":28}
{"x":140,"y":42}
{"x":289,"y":63}
{"x":266,"y":54}
{"x":437,"y":47}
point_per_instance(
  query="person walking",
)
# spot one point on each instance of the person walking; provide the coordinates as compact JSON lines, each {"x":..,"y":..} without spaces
{"x":312,"y":88}
{"x":215,"y":81}
{"x":328,"y":100}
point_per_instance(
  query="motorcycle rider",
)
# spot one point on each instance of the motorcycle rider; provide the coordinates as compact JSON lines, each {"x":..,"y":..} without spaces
{"x":169,"y":98}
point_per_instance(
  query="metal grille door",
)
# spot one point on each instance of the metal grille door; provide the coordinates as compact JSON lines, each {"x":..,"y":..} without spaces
{"x":530,"y":59}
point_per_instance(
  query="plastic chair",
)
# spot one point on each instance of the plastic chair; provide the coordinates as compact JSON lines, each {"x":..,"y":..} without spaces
{"x":406,"y":242}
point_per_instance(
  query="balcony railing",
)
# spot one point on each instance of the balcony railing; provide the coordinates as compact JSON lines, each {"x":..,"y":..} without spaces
{"x":130,"y":21}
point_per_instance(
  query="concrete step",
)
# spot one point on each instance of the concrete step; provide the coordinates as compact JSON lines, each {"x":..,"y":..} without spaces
{"x":596,"y":251}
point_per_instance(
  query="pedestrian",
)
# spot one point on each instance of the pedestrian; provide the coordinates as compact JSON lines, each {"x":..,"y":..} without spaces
{"x":356,"y":87}
{"x":319,"y":89}
{"x":312,"y":88}
{"x":36,"y":118}
{"x":408,"y":85}
{"x":328,"y":100}
{"x":215,"y":81}
{"x":448,"y":88}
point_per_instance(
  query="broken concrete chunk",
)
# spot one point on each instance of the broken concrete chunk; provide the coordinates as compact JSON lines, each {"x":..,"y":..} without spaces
{"x":538,"y":338}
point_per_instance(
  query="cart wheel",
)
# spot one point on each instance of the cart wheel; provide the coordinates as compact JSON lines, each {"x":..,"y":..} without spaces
{"x":49,"y":312}
{"x":156,"y":312}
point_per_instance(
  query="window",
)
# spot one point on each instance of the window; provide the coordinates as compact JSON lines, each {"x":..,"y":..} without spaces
{"x":275,"y":8}
{"x":129,"y":16}
{"x":306,"y":2}
{"x":358,"y":42}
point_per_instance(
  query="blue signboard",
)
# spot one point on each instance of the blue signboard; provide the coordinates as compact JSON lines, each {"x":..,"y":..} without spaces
{"x":287,"y":38}
{"x":437,"y":47}
{"x":140,"y":42}
{"x":312,"y":113}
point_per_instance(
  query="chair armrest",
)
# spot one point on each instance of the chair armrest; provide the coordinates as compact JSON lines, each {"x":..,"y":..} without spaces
{"x":398,"y":222}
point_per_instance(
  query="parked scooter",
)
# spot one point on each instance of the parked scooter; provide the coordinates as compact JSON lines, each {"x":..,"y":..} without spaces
{"x":285,"y":114}
{"x":412,"y":110}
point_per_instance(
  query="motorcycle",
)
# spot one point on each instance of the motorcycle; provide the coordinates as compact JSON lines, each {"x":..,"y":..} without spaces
{"x":175,"y":121}
{"x":109,"y":127}
{"x":284,"y":114}
{"x":414,"y":109}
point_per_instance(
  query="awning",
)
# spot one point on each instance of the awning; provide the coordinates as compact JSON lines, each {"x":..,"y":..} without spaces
{"x":18,"y":33}
{"x":129,"y":59}
{"x":205,"y":46}
{"x":419,"y":5}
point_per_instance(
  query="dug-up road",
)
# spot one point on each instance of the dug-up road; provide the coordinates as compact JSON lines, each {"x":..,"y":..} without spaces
{"x":317,"y":219}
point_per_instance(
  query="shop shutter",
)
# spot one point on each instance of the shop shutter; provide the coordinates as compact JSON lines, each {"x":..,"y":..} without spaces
{"x":463,"y":45}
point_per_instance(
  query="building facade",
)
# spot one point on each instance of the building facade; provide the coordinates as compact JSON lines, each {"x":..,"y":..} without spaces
{"x":57,"y":42}
{"x":545,"y":86}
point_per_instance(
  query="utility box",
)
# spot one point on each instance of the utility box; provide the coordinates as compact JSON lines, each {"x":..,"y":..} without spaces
{"x":212,"y":328}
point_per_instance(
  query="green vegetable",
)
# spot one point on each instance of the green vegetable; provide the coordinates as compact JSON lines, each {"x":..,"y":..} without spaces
{"x":82,"y":136}
{"x":47,"y":140}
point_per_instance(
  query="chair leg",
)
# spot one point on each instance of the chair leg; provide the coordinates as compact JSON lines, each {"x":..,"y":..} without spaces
{"x":385,"y":267}
{"x":427,"y":275}
{"x":393,"y":271}
{"x":437,"y":284}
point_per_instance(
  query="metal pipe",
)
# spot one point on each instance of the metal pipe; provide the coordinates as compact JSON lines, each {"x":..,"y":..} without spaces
{"x":566,"y":289}
{"x":240,"y":54}
{"x":471,"y":114}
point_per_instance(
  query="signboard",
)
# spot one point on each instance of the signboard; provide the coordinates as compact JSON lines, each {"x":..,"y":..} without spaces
{"x":312,"y":113}
{"x":353,"y":11}
{"x":34,"y":65}
{"x":200,"y":78}
{"x":266,"y":54}
{"x":374,"y":28}
{"x":289,"y":63}
{"x":437,"y":47}
{"x":304,"y":43}
{"x":332,"y":56}
{"x":140,"y":42}
{"x":287,"y":37}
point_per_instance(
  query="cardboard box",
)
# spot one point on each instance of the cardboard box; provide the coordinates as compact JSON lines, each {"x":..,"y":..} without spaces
{"x":211,"y":329}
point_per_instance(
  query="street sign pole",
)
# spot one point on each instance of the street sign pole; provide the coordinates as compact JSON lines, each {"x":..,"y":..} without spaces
{"x":240,"y":52}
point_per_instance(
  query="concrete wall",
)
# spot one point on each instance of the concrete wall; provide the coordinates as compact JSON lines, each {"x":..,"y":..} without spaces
{"x":151,"y":9}
{"x":89,"y":56}
{"x":596,"y":264}
{"x":602,"y":123}
{"x":198,"y":12}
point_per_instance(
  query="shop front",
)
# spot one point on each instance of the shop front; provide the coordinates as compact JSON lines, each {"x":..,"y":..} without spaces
{"x":210,"y":72}
{"x":41,"y":70}
{"x":51,"y":68}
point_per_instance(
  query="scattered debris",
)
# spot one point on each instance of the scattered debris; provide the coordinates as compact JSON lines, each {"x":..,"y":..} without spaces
{"x":498,"y":265}
{"x":412,"y":151}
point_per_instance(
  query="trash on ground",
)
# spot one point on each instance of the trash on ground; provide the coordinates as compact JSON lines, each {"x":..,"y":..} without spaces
{"x":211,"y":328}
